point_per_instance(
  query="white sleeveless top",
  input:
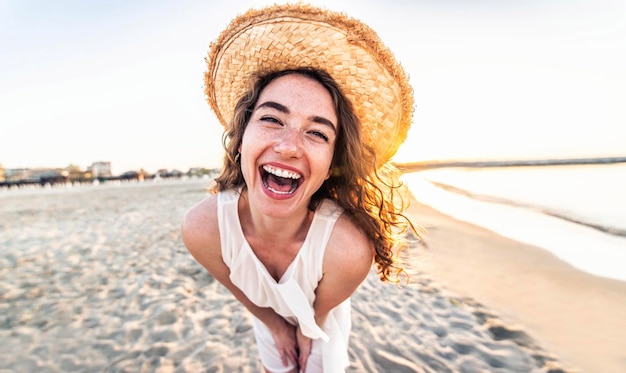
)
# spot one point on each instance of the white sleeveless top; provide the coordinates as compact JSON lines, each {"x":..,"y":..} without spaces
{"x":293,"y":295}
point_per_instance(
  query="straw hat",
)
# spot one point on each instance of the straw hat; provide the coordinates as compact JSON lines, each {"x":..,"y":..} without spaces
{"x":283,"y":37}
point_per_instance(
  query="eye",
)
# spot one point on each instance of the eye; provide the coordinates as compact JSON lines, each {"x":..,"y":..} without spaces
{"x":320,"y":135}
{"x":269,"y":119}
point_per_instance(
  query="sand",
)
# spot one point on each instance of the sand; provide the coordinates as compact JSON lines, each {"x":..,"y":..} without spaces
{"x":96,"y":279}
{"x":576,"y":315}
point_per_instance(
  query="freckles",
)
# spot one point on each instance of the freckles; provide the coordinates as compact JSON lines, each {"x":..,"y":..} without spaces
{"x":322,"y":155}
{"x":252,"y":134}
{"x":258,"y":132}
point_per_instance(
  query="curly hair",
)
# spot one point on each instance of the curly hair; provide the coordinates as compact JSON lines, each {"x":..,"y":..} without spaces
{"x":370,"y":195}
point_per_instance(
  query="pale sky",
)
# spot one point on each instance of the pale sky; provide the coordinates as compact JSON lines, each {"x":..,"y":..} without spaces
{"x":122,"y":81}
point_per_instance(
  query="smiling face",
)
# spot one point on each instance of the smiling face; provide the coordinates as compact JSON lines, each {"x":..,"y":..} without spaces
{"x":288,"y":145}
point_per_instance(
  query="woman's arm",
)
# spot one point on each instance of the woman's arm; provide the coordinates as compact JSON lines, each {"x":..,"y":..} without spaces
{"x":200,"y":233}
{"x":347,"y":261}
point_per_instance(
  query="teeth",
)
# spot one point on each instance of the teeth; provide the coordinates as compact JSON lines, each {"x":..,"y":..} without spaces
{"x":278,"y":191}
{"x":281,"y":173}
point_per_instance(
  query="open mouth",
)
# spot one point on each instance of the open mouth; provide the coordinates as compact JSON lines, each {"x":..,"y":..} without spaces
{"x":280,"y":181}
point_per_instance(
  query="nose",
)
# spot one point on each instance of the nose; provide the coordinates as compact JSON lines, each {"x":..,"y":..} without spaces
{"x":289,"y":143}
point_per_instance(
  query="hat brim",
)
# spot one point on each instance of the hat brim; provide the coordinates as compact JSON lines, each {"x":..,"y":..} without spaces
{"x":284,"y":37}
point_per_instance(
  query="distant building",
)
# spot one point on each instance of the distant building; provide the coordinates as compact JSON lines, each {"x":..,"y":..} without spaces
{"x":15,"y":174}
{"x":36,"y":175}
{"x":100,"y":169}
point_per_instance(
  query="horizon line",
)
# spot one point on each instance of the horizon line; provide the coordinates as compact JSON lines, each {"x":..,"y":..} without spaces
{"x":423,"y":165}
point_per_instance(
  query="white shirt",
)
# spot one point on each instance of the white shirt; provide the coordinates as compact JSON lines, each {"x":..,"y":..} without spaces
{"x":293,"y":295}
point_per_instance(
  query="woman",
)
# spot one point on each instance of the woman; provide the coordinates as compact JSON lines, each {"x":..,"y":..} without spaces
{"x":304,"y":204}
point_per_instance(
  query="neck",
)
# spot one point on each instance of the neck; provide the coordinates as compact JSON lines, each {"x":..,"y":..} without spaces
{"x":274,"y":229}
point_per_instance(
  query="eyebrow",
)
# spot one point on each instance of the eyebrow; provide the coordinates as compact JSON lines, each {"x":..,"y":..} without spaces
{"x":284,"y":109}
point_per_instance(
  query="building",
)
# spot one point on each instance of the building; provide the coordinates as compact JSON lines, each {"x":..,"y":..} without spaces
{"x":100,"y":169}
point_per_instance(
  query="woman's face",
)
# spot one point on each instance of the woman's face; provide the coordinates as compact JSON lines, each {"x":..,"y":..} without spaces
{"x":287,"y":149}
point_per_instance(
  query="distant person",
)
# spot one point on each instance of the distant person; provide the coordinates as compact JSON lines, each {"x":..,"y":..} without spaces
{"x":313,"y":105}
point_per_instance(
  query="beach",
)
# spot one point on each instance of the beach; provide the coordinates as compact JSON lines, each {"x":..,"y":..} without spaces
{"x":96,"y":279}
{"x":577,"y":316}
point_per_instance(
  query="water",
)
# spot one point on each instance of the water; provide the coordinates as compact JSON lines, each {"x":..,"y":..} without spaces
{"x":576,"y":212}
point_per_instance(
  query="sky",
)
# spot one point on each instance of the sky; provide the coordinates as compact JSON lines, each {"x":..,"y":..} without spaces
{"x":122,"y":81}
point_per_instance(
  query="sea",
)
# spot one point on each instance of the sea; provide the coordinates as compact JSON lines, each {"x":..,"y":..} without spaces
{"x":576,"y":212}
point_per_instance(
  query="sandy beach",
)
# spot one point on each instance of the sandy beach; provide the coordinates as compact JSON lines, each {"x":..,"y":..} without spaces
{"x":96,"y":279}
{"x":577,"y":316}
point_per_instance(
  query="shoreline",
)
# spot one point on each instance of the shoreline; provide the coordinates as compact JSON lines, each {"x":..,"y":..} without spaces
{"x":530,"y":224}
{"x":544,"y":210}
{"x":578,"y":316}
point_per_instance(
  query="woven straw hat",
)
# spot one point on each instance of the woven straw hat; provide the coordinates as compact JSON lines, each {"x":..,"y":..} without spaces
{"x":283,"y":37}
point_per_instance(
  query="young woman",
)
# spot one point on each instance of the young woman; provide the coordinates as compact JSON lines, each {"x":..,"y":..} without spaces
{"x":303,"y":206}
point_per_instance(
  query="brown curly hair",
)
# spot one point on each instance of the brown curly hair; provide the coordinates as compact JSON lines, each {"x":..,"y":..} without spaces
{"x":372,"y":197}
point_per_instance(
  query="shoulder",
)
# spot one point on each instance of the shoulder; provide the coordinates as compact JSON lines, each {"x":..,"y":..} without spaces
{"x":200,"y":229}
{"x":348,"y":246}
{"x":347,"y":261}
